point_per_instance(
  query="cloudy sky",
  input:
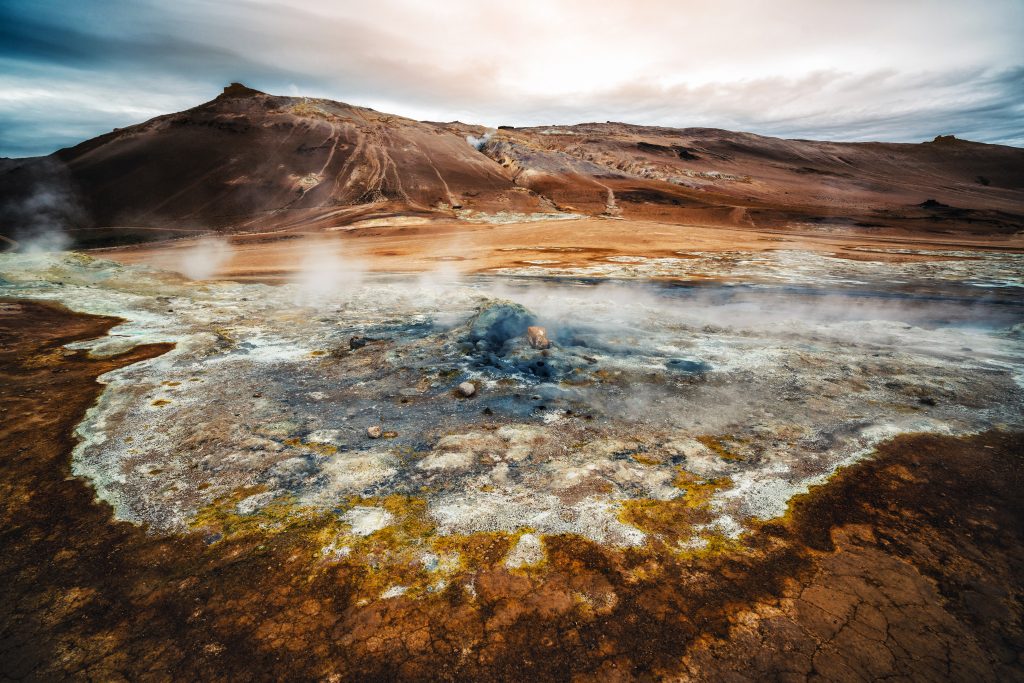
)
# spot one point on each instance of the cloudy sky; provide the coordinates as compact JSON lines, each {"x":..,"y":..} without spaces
{"x":901,"y":70}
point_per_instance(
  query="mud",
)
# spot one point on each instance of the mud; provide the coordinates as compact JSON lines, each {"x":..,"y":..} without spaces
{"x":907,"y":564}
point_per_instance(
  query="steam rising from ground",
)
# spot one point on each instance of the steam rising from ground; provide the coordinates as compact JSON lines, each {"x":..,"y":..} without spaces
{"x":479,"y":142}
{"x":325,"y":273}
{"x":199,"y":261}
{"x":40,"y":222}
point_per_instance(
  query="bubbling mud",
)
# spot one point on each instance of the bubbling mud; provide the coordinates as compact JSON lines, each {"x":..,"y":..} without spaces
{"x":745,"y":394}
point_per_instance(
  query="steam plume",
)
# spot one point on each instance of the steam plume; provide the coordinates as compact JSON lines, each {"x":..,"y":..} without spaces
{"x":479,"y":142}
{"x":202,"y":260}
{"x":325,"y":273}
{"x":40,"y":222}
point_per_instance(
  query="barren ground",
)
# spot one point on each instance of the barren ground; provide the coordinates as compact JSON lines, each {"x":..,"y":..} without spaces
{"x":907,"y":565}
{"x":460,"y":246}
{"x":807,"y":468}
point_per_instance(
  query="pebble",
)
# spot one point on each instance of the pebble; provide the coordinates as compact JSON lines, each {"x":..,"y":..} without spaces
{"x":374,"y":432}
{"x":467,"y":389}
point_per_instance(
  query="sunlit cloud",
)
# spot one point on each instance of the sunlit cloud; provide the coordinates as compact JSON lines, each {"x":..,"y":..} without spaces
{"x":851,"y":71}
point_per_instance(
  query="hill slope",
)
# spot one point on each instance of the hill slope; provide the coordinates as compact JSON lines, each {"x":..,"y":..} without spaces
{"x":249,"y":161}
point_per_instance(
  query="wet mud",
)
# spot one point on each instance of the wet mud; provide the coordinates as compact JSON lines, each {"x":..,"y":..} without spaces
{"x":908,"y":564}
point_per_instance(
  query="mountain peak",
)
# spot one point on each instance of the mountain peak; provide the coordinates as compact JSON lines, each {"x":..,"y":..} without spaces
{"x":239,"y":90}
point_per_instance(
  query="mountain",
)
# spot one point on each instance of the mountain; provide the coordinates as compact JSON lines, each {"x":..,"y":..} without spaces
{"x":249,"y":161}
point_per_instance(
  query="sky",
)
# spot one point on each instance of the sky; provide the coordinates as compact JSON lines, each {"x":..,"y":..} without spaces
{"x":894,"y":70}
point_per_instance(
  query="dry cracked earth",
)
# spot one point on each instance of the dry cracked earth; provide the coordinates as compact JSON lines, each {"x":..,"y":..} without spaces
{"x":730,"y":483}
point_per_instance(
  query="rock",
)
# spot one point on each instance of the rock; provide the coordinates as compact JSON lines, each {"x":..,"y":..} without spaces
{"x":374,"y":432}
{"x":537,"y":337}
{"x":467,"y":389}
{"x":548,"y":364}
{"x":357,"y":342}
{"x":239,"y":90}
{"x":498,"y":322}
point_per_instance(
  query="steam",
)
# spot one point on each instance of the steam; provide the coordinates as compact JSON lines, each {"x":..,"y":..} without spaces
{"x":637,"y":311}
{"x":202,"y":260}
{"x":47,"y":231}
{"x":443,"y":280}
{"x":40,"y":221}
{"x":479,"y":142}
{"x":325,"y":274}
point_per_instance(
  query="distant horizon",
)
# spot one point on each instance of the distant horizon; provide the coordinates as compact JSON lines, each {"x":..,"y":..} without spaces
{"x":798,"y":69}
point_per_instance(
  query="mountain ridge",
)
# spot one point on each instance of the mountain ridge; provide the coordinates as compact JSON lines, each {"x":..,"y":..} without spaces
{"x":251,"y":161}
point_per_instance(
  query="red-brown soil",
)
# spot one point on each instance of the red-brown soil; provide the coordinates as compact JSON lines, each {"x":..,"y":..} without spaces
{"x":457,"y":246}
{"x":251,"y":162}
{"x":907,"y":565}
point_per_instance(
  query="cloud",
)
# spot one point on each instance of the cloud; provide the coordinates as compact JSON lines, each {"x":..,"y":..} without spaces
{"x":872,"y":69}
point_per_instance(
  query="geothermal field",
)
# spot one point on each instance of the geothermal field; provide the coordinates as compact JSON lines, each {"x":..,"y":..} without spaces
{"x":323,"y":396}
{"x":598,"y":403}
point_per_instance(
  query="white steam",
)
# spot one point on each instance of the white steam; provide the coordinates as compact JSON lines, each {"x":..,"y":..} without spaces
{"x":202,"y":260}
{"x":479,"y":142}
{"x":40,"y":221}
{"x":325,"y":273}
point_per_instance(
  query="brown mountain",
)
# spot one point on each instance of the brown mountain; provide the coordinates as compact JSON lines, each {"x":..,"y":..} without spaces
{"x":249,"y":161}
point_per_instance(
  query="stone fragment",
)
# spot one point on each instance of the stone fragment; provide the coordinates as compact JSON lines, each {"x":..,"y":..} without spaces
{"x":538,"y":337}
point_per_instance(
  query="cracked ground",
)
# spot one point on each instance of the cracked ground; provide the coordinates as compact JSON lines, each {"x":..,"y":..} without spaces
{"x":907,"y":565}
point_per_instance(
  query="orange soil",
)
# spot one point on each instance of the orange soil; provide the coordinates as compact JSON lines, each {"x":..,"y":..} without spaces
{"x":473,"y":248}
